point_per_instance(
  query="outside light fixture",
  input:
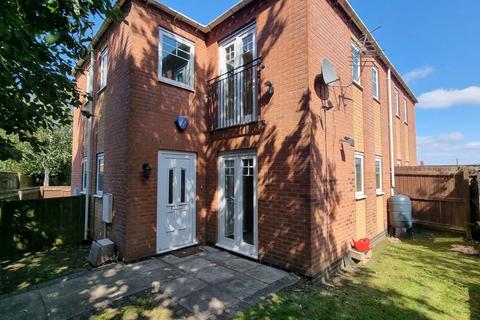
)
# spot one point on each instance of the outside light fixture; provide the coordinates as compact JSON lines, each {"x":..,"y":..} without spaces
{"x":270,"y":87}
{"x":86,"y":114}
{"x":146,"y":170}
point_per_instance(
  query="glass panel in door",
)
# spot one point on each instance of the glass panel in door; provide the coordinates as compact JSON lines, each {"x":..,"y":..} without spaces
{"x":248,"y":190}
{"x":229,"y":199}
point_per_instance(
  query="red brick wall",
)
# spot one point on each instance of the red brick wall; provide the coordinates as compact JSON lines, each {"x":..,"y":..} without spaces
{"x":306,"y":178}
{"x":333,"y":225}
{"x":282,"y":145}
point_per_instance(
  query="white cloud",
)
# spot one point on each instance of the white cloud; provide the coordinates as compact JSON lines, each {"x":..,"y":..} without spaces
{"x":451,"y":137}
{"x":447,"y":149}
{"x":418,"y":73}
{"x":445,"y":98}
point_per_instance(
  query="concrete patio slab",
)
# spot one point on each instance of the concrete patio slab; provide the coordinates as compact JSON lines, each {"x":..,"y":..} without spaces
{"x":208,"y":284}
{"x":215,"y":274}
{"x":266,"y":274}
{"x":25,"y":306}
{"x":240,"y":264}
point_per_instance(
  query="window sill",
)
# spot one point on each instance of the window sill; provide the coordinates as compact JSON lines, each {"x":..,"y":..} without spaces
{"x":176,"y":84}
{"x":397,"y":115}
{"x":405,"y":122}
{"x":357,"y":84}
{"x":376,"y":99}
{"x":362,"y":197}
{"x":98,"y":196}
{"x":380,"y":193}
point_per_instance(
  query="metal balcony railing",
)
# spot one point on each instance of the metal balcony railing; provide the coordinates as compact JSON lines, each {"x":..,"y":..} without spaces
{"x":234,"y":96}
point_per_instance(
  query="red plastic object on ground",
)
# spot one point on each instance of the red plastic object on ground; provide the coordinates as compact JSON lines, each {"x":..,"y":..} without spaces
{"x":362,"y":245}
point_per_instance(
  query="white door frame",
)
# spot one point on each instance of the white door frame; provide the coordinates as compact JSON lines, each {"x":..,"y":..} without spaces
{"x":192,"y":157}
{"x":236,"y":244}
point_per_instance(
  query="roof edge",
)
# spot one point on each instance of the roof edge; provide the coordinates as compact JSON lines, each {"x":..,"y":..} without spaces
{"x":361,"y":25}
{"x":242,"y":3}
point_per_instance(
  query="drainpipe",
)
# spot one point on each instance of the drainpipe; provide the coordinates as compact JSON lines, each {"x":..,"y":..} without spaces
{"x":88,"y":164}
{"x":390,"y":129}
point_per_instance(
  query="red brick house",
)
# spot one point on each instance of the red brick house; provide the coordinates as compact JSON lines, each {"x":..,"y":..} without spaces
{"x":268,"y":166}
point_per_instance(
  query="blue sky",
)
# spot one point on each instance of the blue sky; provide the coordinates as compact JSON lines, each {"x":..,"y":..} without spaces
{"x":434,"y":44}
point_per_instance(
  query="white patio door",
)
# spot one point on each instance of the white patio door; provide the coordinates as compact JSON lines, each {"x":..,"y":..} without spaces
{"x":175,"y":200}
{"x":238,"y":215}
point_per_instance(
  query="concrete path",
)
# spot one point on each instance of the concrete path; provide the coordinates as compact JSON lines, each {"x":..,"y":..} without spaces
{"x":211,"y":284}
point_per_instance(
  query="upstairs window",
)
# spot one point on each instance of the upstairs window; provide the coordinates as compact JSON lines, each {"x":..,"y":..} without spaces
{"x":355,"y":63}
{"x":375,"y":82}
{"x":397,"y":103}
{"x":84,"y":175}
{"x":103,"y":68}
{"x":176,"y":60}
{"x":378,"y":174}
{"x":405,"y":111}
{"x":100,"y":174}
{"x":359,"y":183}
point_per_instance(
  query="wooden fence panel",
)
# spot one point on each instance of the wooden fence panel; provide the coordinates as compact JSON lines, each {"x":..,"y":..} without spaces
{"x":29,"y":225}
{"x":440,"y":195}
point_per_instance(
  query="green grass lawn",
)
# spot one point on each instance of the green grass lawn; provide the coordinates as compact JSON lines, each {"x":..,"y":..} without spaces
{"x":33,"y":268}
{"x":415,"y":279}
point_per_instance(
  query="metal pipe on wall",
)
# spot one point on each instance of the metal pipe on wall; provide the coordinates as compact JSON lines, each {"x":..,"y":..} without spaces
{"x":390,"y":130}
{"x":88,"y":164}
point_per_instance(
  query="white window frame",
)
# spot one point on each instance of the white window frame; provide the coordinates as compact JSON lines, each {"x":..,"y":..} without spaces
{"x":103,"y":68}
{"x":236,"y":39}
{"x":359,"y":194}
{"x":405,"y":111}
{"x":376,"y":88}
{"x":84,"y":175}
{"x":356,"y":66}
{"x":397,"y":102}
{"x":163,"y":32}
{"x":378,"y":160}
{"x":100,"y":156}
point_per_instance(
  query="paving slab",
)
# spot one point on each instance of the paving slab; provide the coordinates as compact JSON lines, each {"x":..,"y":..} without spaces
{"x":195,"y":264}
{"x":209,"y":302}
{"x":240,"y":264}
{"x":208,"y":284}
{"x":266,"y":274}
{"x":25,"y":306}
{"x":182,"y":287}
{"x":242,"y":286}
{"x":220,"y":257}
{"x":215,"y":274}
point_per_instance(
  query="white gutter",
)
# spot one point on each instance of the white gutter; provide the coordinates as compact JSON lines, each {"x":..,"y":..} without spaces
{"x":390,"y":135}
{"x":88,"y":164}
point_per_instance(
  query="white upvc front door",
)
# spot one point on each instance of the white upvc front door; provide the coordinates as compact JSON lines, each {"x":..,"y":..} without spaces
{"x":238,"y":214}
{"x":175,"y":200}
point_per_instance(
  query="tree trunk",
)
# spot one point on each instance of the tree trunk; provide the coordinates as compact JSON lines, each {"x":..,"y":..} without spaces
{"x":46,"y":177}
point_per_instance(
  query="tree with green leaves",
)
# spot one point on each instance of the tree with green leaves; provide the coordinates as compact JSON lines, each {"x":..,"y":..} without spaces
{"x":40,"y":43}
{"x":50,"y":156}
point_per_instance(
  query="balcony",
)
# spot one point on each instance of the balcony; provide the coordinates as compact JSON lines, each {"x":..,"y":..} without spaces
{"x":233,"y":96}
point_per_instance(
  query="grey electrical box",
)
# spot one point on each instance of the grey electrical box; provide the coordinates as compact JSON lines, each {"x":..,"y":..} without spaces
{"x":107,"y":203}
{"x":101,"y":251}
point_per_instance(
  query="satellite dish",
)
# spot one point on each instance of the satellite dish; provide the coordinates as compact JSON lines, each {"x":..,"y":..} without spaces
{"x":329,"y":73}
